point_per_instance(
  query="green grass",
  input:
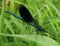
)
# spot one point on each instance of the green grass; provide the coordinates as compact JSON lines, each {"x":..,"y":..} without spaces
{"x":14,"y":32}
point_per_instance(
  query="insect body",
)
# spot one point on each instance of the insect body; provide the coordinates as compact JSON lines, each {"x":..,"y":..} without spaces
{"x":27,"y":17}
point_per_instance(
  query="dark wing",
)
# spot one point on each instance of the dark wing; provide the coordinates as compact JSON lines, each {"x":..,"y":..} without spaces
{"x":25,"y":14}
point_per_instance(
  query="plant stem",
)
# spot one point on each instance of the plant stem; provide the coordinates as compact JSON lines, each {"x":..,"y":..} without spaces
{"x":2,"y":21}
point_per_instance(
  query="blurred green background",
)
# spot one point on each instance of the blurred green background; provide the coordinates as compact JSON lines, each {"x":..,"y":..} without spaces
{"x":14,"y":32}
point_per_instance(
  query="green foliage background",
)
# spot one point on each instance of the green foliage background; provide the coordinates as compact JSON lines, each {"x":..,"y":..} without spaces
{"x":14,"y":32}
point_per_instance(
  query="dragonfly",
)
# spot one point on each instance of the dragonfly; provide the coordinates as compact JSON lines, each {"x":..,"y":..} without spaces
{"x":27,"y":17}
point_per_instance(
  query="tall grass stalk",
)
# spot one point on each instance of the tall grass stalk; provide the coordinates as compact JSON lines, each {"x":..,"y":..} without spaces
{"x":2,"y":20}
